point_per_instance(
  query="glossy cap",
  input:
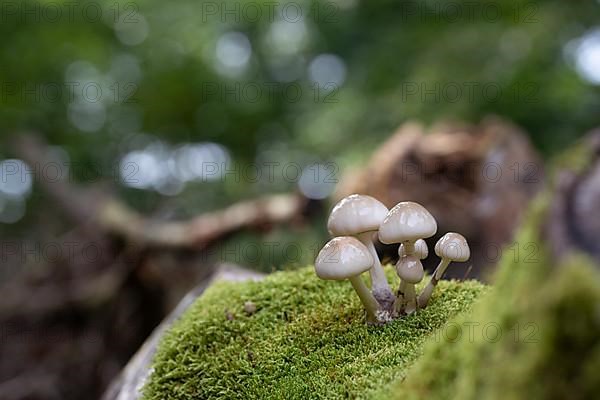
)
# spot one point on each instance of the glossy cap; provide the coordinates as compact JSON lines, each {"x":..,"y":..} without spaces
{"x":453,"y":246}
{"x":407,"y":221}
{"x":410,"y":270}
{"x":356,"y":214}
{"x":341,"y":258}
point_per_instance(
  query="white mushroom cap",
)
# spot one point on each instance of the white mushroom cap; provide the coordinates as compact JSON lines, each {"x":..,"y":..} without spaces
{"x":407,"y":222}
{"x":410,"y":270}
{"x":356,"y":214}
{"x":421,"y":249}
{"x":453,"y":246}
{"x":341,"y":258}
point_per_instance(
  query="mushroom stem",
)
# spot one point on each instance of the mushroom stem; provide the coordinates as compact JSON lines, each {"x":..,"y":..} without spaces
{"x":407,"y":298}
{"x":410,"y":271}
{"x":425,"y":295}
{"x":435,"y":278}
{"x":410,"y":299}
{"x":409,"y":248}
{"x":399,"y":303}
{"x":379,"y":284}
{"x":441,"y":268}
{"x":366,"y":298}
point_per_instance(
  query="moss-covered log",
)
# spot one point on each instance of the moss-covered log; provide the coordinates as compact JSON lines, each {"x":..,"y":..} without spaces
{"x":534,"y":334}
{"x":307,"y":339}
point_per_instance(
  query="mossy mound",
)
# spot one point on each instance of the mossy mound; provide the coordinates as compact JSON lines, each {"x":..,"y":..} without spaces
{"x":535,"y":336}
{"x":307,"y":339}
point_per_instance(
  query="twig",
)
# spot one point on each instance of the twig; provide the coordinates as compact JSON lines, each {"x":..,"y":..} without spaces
{"x":201,"y":230}
{"x":91,"y":205}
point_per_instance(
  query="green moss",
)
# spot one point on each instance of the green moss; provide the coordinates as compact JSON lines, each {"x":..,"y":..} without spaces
{"x":548,"y":348}
{"x":308,"y":339}
{"x":534,"y":335}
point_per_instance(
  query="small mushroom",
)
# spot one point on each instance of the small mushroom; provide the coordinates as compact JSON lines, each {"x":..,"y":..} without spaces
{"x":406,"y":223}
{"x":360,"y":216}
{"x":346,"y":258}
{"x":410,"y":270}
{"x":421,"y":250}
{"x":451,"y":247}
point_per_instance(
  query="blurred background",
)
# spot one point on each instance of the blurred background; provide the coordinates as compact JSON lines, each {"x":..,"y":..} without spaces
{"x":130,"y":129}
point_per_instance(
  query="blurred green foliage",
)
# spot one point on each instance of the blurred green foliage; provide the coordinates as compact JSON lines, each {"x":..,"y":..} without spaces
{"x":247,"y":75}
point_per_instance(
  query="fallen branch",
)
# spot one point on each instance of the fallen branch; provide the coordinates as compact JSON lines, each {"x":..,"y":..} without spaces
{"x":201,"y":230}
{"x":91,"y":205}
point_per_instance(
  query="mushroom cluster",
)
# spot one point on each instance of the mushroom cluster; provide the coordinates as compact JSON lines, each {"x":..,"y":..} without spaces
{"x":354,"y":222}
